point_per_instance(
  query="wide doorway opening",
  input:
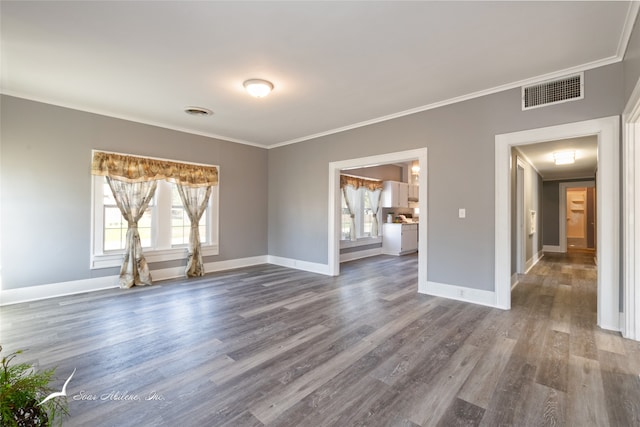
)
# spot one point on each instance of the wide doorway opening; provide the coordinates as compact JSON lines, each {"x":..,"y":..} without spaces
{"x":336,"y":211}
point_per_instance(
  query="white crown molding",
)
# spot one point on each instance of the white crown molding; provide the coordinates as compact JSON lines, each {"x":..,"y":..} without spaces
{"x":533,"y":80}
{"x":129,"y":118}
{"x":630,"y":20}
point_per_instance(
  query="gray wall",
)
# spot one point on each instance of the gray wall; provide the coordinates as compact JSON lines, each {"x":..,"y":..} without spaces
{"x":631,"y":63}
{"x":46,"y":191}
{"x":461,"y":146}
{"x":550,"y":213}
{"x":532,"y":201}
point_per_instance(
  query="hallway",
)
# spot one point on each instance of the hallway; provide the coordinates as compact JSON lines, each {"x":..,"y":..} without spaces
{"x":579,"y":373}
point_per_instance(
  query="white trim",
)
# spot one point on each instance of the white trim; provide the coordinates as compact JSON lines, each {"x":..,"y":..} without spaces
{"x":607,"y":130}
{"x":115,"y":259}
{"x":231,"y":264}
{"x":531,"y":262}
{"x":129,"y":118}
{"x":629,"y":22}
{"x":552,"y":248}
{"x":521,"y":236}
{"x":363,"y":241}
{"x":460,"y":293}
{"x":52,"y":290}
{"x":455,"y":100}
{"x":631,"y":211}
{"x":515,"y":280}
{"x":351,"y":256}
{"x":334,"y":203}
{"x":311,"y":267}
{"x":562,"y":208}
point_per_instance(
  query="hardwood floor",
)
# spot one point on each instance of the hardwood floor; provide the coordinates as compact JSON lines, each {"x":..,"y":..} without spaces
{"x":271,"y":346}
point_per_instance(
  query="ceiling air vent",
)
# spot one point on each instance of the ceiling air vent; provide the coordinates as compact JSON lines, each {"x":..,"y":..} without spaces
{"x":551,"y":92}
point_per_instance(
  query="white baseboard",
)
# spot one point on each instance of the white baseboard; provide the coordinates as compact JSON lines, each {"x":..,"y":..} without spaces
{"x":311,"y":267}
{"x":533,"y":261}
{"x":34,"y":293}
{"x":350,"y":256}
{"x":52,"y":290}
{"x":549,"y":248}
{"x":460,"y":293}
{"x":514,"y":280}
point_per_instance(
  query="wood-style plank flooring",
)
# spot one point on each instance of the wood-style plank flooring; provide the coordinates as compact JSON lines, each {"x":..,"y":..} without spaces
{"x":272,"y":346}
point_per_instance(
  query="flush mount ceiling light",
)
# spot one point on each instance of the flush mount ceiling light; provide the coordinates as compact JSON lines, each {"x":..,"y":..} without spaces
{"x":198,"y":111}
{"x":258,"y":88}
{"x":564,"y":157}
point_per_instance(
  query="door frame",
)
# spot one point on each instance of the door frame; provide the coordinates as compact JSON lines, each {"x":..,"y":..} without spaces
{"x":521,"y":248}
{"x":607,"y":131}
{"x":563,"y":209}
{"x":335,"y":203}
{"x":631,"y":211}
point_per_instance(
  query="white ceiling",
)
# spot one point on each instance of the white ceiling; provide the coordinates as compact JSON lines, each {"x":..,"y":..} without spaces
{"x":541,"y":157}
{"x":335,"y":65}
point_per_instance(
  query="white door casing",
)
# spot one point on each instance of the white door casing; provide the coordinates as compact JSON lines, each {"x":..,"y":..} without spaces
{"x":607,"y":131}
{"x":334,"y":203}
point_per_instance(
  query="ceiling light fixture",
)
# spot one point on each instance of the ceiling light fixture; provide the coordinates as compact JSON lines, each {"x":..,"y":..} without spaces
{"x":564,"y":157}
{"x":198,"y":111}
{"x":258,"y":88}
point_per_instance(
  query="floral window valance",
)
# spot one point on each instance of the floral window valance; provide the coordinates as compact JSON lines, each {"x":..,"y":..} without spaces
{"x":139,"y":169}
{"x":357,"y":182}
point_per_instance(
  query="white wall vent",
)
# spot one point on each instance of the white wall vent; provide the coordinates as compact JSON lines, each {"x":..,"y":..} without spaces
{"x":570,"y":88}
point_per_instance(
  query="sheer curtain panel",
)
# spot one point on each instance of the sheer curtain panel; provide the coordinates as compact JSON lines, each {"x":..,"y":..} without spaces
{"x":195,"y":201}
{"x":133,"y":199}
{"x":374,"y":200}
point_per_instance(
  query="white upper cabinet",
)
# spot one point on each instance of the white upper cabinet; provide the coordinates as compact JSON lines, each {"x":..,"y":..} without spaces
{"x":395,"y":194}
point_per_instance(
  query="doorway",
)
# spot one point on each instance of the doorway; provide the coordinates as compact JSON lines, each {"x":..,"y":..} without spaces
{"x":607,"y":205}
{"x":578,"y":216}
{"x":335,"y":219}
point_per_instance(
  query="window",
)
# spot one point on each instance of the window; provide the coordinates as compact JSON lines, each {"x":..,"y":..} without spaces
{"x":164,"y":228}
{"x":363,"y":216}
{"x":115,"y":226}
{"x":180,"y":223}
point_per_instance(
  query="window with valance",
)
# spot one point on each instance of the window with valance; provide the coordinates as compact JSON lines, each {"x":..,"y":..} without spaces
{"x":152,"y":204}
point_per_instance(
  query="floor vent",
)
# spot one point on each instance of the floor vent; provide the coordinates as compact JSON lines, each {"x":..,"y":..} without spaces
{"x":570,"y":88}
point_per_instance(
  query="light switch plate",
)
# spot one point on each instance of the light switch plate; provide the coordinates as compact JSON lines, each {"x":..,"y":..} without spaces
{"x":462,"y":213}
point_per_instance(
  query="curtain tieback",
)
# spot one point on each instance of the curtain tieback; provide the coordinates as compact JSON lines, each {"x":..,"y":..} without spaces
{"x":133,"y":224}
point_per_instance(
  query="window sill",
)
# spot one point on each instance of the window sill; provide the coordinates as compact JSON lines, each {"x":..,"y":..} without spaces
{"x":115,"y":259}
{"x":363,"y":241}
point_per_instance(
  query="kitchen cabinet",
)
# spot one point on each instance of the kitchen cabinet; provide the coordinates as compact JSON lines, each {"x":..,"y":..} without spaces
{"x":395,"y":194}
{"x":399,"y":239}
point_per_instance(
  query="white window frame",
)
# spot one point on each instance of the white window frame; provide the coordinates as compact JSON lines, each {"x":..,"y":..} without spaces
{"x":162,"y":249}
